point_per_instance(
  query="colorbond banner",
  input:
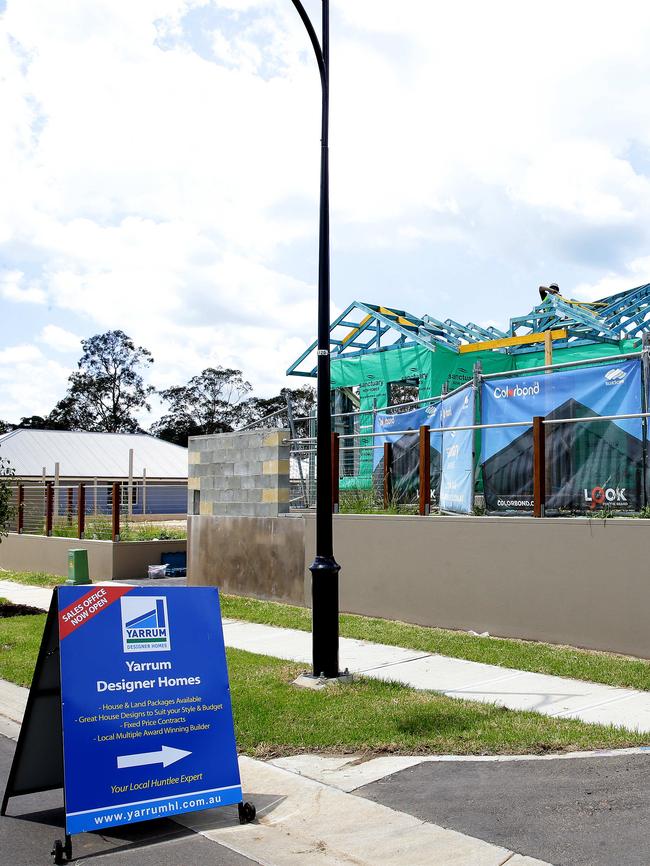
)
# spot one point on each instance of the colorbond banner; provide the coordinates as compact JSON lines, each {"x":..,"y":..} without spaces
{"x":457,"y":472}
{"x":590,"y":465}
{"x":406,"y":450}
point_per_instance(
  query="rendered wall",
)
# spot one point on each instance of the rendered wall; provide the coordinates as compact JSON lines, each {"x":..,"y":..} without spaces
{"x":123,"y":560}
{"x":578,"y":581}
{"x":573,"y":581}
{"x":258,"y":556}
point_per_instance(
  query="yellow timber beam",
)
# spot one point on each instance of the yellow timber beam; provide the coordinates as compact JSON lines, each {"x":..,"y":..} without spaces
{"x":355,"y":331}
{"x":504,"y":342}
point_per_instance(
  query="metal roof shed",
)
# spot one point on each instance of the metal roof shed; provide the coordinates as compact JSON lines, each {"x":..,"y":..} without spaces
{"x":80,"y":455}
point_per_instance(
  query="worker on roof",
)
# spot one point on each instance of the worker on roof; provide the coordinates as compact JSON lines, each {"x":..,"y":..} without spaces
{"x":553,"y":289}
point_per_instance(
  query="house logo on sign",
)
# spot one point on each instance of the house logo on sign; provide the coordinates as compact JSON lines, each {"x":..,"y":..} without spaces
{"x":615,"y":377}
{"x":145,"y":624}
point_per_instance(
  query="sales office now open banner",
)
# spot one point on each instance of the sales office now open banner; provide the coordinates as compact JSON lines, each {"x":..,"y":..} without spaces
{"x":590,"y":465}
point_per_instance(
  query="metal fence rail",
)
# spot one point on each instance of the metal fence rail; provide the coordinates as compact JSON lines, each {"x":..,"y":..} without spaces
{"x":99,"y":511}
{"x":375,"y":491}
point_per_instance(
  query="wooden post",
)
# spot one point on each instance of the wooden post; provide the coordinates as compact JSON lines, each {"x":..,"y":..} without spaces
{"x":21,"y":508}
{"x":49,"y":507}
{"x":388,"y":474}
{"x":425,"y":471}
{"x":335,"y":473}
{"x":548,"y":349}
{"x":539,"y":467}
{"x":57,"y":488}
{"x":129,"y":510}
{"x":81,"y":511}
{"x":115,"y":534}
{"x":70,"y":505}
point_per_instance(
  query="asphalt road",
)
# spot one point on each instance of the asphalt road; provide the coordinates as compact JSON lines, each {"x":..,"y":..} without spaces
{"x":571,"y":812}
{"x":34,"y":821}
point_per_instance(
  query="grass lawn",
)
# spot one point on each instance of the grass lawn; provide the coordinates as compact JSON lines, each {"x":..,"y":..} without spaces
{"x":33,"y":578}
{"x":563,"y":661}
{"x":597,"y":667}
{"x":272,"y":717}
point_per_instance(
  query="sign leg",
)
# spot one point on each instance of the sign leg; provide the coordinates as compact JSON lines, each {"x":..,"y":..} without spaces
{"x":247,"y":812}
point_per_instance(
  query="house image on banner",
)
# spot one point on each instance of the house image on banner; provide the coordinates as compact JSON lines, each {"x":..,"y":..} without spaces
{"x":588,"y":465}
{"x":152,"y":473}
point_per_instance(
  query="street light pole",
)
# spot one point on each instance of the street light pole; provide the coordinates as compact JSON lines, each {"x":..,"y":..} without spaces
{"x":324,"y":569}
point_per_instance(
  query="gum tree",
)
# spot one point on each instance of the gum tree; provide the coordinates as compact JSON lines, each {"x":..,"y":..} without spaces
{"x":108,"y":389}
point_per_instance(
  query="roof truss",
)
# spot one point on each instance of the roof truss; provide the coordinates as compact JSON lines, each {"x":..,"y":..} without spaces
{"x":364,"y":328}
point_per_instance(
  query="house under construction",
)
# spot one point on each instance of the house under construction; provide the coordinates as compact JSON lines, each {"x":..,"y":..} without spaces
{"x":376,"y":351}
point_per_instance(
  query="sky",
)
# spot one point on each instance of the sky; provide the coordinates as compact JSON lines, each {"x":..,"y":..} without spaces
{"x":159,"y":171}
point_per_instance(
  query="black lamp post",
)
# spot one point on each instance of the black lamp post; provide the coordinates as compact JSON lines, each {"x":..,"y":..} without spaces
{"x":324,"y":569}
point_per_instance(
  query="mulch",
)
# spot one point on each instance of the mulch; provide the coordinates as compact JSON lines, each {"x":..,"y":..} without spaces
{"x":18,"y":610}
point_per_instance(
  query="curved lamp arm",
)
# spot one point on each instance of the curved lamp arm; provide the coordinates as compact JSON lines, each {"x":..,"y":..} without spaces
{"x":314,"y":41}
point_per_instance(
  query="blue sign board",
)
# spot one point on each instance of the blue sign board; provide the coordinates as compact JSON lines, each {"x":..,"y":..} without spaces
{"x":427,"y":416}
{"x":457,"y":475}
{"x":147,"y":719}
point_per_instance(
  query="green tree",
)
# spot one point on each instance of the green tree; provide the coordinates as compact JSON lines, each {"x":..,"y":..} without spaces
{"x":210,"y":403}
{"x":108,"y":388}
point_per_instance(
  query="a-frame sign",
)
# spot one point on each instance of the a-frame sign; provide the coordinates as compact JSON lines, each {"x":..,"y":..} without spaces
{"x":128,"y":683}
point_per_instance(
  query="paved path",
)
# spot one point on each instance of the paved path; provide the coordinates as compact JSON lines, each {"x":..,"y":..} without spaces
{"x":558,"y":697}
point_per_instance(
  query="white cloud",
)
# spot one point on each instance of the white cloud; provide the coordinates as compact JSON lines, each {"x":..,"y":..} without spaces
{"x":171,"y":189}
{"x":60,"y":339}
{"x":19,"y":354}
{"x":11,"y":288}
{"x":637,"y":272}
{"x":30,"y":384}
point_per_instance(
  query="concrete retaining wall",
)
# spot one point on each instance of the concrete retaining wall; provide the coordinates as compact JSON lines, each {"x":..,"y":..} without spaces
{"x":107,"y":560}
{"x":262,"y":557}
{"x":574,"y":581}
{"x":578,"y":581}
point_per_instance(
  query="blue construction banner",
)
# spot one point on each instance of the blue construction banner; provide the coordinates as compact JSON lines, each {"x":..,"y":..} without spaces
{"x":147,"y":719}
{"x":457,"y":471}
{"x":590,"y":466}
{"x":406,"y":450}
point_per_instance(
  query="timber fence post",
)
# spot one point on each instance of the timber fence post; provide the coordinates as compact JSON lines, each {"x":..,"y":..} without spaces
{"x":425,"y":471}
{"x":388,"y":474}
{"x":539,"y":466}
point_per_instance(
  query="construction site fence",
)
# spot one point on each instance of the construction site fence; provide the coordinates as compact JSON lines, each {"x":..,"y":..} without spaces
{"x":583,"y":465}
{"x":408,"y":483}
{"x":106,"y":512}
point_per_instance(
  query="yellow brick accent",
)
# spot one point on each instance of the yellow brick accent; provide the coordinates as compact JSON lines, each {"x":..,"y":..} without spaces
{"x":205,"y":508}
{"x":194,"y":456}
{"x":194,"y":483}
{"x":276,"y":467}
{"x":276,"y":438}
{"x":275,"y":495}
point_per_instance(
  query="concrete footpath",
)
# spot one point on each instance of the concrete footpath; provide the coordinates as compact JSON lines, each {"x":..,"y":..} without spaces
{"x":558,"y":697}
{"x":299,"y":820}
